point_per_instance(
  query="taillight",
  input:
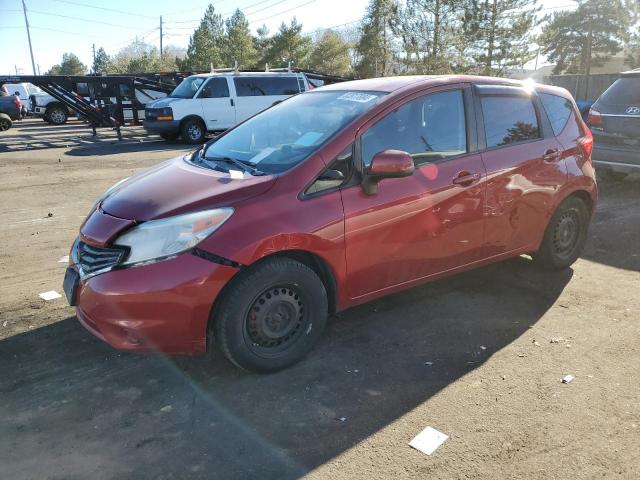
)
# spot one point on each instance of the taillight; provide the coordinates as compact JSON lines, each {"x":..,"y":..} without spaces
{"x":586,"y":143}
{"x":595,"y":118}
{"x":18,"y":103}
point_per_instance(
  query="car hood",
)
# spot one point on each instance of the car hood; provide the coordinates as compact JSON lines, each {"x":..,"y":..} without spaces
{"x":163,"y":102}
{"x":176,"y":187}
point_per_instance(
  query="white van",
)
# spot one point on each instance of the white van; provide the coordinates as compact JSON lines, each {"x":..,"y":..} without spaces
{"x":214,"y":102}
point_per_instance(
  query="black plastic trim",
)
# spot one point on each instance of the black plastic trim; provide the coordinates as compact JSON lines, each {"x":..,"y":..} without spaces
{"x":212,"y":257}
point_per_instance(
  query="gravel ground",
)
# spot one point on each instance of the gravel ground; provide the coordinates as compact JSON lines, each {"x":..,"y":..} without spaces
{"x":478,"y":356}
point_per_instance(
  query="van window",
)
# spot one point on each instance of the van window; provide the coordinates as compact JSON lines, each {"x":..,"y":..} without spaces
{"x":188,"y":87}
{"x":559,"y":111}
{"x":429,"y":128}
{"x":509,"y":120}
{"x":259,"y":86}
{"x":215,"y":88}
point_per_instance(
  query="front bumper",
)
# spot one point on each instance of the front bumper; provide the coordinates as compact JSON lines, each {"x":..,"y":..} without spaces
{"x":616,"y":157}
{"x":162,"y":127}
{"x":163,"y":306}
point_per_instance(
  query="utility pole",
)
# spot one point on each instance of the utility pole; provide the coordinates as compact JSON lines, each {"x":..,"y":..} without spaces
{"x":94,"y":57}
{"x":26,"y":21}
{"x":588,"y":59}
{"x":161,"y":35}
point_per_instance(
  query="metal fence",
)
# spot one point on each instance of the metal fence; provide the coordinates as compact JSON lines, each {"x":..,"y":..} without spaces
{"x":581,"y":86}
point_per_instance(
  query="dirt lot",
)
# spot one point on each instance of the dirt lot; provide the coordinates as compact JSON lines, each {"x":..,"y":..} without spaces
{"x":479,"y":357}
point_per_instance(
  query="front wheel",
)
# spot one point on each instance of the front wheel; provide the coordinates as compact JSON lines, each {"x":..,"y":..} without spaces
{"x":565,"y":236}
{"x":271,"y":316}
{"x":192,"y":131}
{"x":56,"y":115}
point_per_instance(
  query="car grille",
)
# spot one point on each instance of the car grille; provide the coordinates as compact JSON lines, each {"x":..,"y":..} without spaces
{"x":94,"y":259}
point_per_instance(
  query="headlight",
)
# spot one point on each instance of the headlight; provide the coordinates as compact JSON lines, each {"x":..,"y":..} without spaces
{"x":165,"y":113}
{"x":165,"y":238}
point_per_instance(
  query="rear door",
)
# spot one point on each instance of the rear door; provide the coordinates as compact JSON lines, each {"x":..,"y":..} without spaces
{"x":255,"y":93}
{"x":217,"y":105}
{"x":427,"y":223}
{"x":525,"y":167}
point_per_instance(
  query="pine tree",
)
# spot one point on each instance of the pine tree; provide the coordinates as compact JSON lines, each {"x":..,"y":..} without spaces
{"x":239,"y":43}
{"x":377,"y":49}
{"x":262,"y":43}
{"x":289,"y":46}
{"x":330,"y":55}
{"x":207,"y":42}
{"x":101,"y":62}
{"x":499,"y":33}
{"x":585,"y":37}
{"x":70,"y":65}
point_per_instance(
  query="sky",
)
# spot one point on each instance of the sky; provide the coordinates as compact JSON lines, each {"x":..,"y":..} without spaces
{"x":59,"y":26}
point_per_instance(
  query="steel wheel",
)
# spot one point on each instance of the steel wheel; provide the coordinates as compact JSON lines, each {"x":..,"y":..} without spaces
{"x":566,"y":233}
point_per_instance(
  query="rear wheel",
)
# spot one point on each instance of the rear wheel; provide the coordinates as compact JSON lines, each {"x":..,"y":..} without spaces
{"x":565,"y":236}
{"x":192,"y":131}
{"x":56,"y":115}
{"x":5,"y":123}
{"x":271,"y":316}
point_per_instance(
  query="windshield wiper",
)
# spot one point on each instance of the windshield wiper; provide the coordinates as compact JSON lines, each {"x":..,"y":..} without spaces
{"x":244,"y":166}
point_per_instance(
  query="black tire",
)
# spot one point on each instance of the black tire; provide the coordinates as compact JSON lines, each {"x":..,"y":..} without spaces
{"x":192,"y":131}
{"x":271,"y":315}
{"x":56,"y":115}
{"x":565,"y":236}
{"x":5,"y":122}
{"x":170,"y":137}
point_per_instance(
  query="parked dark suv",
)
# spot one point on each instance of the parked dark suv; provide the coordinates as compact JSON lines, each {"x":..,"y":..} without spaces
{"x":615,"y":124}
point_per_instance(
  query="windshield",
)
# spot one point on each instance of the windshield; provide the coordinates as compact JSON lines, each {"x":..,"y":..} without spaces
{"x":188,"y":87}
{"x":624,"y":91}
{"x":284,"y":135}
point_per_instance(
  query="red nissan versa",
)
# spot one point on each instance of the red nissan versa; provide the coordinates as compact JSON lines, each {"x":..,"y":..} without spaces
{"x":327,"y":200}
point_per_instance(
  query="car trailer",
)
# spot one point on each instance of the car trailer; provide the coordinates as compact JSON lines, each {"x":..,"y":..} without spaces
{"x":103,"y":100}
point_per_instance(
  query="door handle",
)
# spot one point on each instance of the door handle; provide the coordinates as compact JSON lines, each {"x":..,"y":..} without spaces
{"x":551,"y":154}
{"x":232,"y":104}
{"x":465,"y":178}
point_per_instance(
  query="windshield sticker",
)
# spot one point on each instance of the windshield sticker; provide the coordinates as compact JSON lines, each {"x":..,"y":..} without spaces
{"x":357,"y":97}
{"x":236,"y":174}
{"x":264,"y":153}
{"x":308,"y":139}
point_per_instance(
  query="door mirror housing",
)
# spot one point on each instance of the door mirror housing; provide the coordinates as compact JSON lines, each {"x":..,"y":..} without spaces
{"x":387,"y":164}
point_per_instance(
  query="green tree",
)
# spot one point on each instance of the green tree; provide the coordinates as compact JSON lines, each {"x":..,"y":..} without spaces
{"x":101,"y":62}
{"x":239,"y":43}
{"x":499,"y":33}
{"x":137,"y":57}
{"x":70,"y":65}
{"x":585,"y":37}
{"x":289,"y":46}
{"x":632,"y":57}
{"x":206,"y":45}
{"x":377,"y":49}
{"x":330,"y":55}
{"x":262,"y":42}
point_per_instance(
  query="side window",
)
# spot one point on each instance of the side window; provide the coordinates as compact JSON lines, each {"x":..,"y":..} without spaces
{"x":559,"y":110}
{"x":258,"y":86}
{"x":215,"y":88}
{"x":342,"y":164}
{"x":509,"y":120}
{"x":429,"y":128}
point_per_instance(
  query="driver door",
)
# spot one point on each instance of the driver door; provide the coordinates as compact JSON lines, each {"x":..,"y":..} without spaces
{"x":217,"y":106}
{"x":429,"y":222}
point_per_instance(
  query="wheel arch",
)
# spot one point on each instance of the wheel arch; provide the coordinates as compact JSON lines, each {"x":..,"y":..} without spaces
{"x":193,"y":116}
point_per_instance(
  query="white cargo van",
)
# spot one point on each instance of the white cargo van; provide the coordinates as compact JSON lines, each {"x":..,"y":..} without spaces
{"x":214,"y":102}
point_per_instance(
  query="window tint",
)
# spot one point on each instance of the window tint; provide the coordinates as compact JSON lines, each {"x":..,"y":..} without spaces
{"x":559,"y":111}
{"x":509,"y":120}
{"x":624,"y":91}
{"x":343,"y":164}
{"x":215,"y":88}
{"x":429,"y":128}
{"x":258,"y":86}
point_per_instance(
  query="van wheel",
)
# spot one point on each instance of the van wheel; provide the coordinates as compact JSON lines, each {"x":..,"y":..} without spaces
{"x":56,"y":115}
{"x":565,"y":236}
{"x":192,"y":131}
{"x":271,"y":316}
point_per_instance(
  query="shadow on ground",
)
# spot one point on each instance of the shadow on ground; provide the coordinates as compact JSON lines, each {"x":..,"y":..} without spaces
{"x":73,"y":408}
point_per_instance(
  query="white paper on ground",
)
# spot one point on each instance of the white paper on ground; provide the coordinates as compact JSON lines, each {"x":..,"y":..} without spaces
{"x":64,"y":259}
{"x":428,"y":440}
{"x":568,"y":379}
{"x":50,"y":295}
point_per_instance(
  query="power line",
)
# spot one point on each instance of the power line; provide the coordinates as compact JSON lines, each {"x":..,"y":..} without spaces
{"x":81,"y":19}
{"x":283,"y":12}
{"x":79,"y":4}
{"x":243,"y":9}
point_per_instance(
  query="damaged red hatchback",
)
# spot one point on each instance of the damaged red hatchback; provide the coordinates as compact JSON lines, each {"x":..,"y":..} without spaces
{"x":327,"y":200}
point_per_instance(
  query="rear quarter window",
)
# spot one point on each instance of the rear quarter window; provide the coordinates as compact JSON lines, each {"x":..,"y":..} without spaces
{"x":261,"y":86}
{"x":508,"y":120}
{"x":559,"y":110}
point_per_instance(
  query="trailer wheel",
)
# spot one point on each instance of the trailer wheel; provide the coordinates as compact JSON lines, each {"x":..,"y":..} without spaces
{"x":56,"y":115}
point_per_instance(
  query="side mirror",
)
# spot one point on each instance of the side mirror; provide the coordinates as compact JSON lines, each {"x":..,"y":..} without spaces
{"x":17,"y":94}
{"x":387,"y":164}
